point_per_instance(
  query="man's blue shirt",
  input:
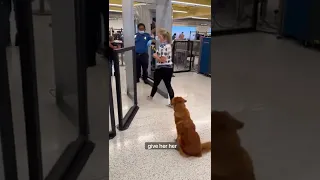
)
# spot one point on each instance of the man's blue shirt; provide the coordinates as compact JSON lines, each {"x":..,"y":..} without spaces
{"x":141,"y":42}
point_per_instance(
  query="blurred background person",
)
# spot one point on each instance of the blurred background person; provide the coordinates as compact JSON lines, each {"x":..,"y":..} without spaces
{"x":181,"y":36}
{"x":174,"y":36}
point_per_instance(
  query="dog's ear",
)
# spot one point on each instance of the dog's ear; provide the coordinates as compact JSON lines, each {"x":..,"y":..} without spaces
{"x":173,"y":101}
{"x":237,"y":124}
{"x":233,"y":122}
{"x":223,"y":120}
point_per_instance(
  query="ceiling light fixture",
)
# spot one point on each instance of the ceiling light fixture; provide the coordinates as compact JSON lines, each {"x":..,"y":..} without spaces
{"x":120,"y":5}
{"x":140,"y":4}
{"x":176,"y":11}
{"x":190,"y":4}
{"x":115,"y":5}
{"x":115,"y":11}
{"x":198,"y":18}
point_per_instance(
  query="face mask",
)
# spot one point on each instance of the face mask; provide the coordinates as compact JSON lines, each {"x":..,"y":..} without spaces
{"x":141,"y":32}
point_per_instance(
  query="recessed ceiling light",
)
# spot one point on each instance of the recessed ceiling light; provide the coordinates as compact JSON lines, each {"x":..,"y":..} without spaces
{"x":190,"y":4}
{"x":115,"y":11}
{"x":115,"y":5}
{"x":140,"y":4}
{"x":198,"y":18}
{"x":176,"y":11}
{"x":120,"y":5}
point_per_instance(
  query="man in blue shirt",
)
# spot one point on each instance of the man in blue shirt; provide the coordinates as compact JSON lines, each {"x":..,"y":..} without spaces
{"x":142,"y":41}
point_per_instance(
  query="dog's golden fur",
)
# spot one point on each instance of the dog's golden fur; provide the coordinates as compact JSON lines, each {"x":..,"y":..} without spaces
{"x":187,"y":138}
{"x":230,"y":161}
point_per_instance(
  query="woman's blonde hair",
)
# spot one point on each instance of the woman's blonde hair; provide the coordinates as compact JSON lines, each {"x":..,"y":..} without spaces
{"x":166,"y":34}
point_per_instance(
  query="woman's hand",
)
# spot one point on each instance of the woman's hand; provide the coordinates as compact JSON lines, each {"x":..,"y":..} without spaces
{"x":160,"y":59}
{"x":155,"y":55}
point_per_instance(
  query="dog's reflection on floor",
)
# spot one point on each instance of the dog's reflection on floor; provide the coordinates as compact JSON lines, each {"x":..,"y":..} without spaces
{"x":230,"y":161}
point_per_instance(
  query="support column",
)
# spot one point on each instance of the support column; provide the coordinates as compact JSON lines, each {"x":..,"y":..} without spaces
{"x":128,"y":34}
{"x":164,"y":14}
{"x":163,"y":20}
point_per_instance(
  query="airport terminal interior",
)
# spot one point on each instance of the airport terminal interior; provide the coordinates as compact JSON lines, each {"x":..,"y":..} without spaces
{"x":95,"y":110}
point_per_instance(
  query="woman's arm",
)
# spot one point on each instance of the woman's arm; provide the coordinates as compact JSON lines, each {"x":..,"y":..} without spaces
{"x":112,"y":46}
{"x":159,"y":59}
{"x":162,"y":59}
{"x":161,"y":55}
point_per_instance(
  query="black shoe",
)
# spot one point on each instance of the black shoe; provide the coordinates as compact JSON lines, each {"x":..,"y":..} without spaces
{"x":138,"y":81}
{"x":146,"y":81}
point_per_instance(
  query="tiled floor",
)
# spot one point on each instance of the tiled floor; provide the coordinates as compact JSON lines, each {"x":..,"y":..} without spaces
{"x":154,"y":123}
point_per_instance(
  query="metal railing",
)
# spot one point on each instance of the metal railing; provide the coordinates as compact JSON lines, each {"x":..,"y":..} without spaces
{"x":184,"y":55}
{"x":113,"y":131}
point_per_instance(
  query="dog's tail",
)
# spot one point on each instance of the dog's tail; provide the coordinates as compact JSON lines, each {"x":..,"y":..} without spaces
{"x":206,"y":147}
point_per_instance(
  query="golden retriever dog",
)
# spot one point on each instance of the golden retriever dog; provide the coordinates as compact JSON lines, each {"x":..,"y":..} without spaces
{"x":188,"y":139}
{"x":230,"y":160}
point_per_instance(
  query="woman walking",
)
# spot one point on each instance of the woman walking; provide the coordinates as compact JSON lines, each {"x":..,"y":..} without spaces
{"x":164,"y":65}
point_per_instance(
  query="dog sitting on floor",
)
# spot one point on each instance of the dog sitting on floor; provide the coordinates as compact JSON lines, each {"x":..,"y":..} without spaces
{"x":188,"y":139}
{"x":230,"y":161}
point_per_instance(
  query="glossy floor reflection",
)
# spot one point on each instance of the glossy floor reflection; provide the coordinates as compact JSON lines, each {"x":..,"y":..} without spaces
{"x":273,"y":86}
{"x":154,"y":123}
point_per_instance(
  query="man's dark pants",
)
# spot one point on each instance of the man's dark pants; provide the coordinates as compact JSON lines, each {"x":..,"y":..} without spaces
{"x":142,"y":61}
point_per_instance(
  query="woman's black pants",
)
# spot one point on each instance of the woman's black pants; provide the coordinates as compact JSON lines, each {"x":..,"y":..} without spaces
{"x":164,"y":74}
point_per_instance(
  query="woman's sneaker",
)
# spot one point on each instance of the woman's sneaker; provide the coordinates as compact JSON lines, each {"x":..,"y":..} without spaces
{"x":170,"y":105}
{"x":149,"y":97}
